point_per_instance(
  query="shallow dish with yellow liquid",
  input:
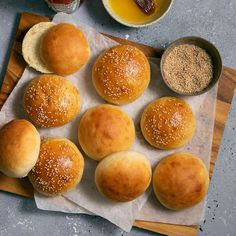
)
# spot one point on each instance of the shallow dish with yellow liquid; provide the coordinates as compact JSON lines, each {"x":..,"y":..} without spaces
{"x":128,"y":13}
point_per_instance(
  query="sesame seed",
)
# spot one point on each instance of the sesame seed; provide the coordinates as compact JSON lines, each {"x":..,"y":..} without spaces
{"x":166,"y":122}
{"x":47,"y":99}
{"x":54,"y":169}
{"x":118,"y":72}
{"x":188,"y":68}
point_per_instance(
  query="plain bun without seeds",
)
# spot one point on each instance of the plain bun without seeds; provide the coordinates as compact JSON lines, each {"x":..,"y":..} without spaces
{"x":64,"y":49}
{"x":55,"y":48}
{"x":180,"y":181}
{"x":123,"y":176}
{"x":19,"y":148}
{"x":105,"y":129}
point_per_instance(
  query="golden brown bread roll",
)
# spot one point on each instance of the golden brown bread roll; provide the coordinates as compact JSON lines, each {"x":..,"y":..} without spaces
{"x":123,"y":176}
{"x":19,"y":148}
{"x":64,"y":49}
{"x":168,"y":123}
{"x":121,"y":74}
{"x":59,"y":167}
{"x":105,"y":129}
{"x":180,"y":180}
{"x":51,"y":101}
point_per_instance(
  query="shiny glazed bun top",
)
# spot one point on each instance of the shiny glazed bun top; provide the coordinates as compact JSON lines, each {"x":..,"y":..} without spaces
{"x":59,"y":167}
{"x":168,"y":123}
{"x":51,"y":101}
{"x":121,"y":74}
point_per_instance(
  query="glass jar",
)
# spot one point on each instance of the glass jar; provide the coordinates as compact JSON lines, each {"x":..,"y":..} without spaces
{"x":67,"y":6}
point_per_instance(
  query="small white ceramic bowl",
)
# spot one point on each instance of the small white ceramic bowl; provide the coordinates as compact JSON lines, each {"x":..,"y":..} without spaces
{"x":134,"y":25}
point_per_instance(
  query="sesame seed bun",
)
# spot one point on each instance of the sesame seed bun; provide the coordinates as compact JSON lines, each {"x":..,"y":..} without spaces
{"x":51,"y":101}
{"x":64,"y":49}
{"x":123,"y":176}
{"x":121,"y":74}
{"x":168,"y":123}
{"x":19,"y":148}
{"x":105,"y":129}
{"x":31,"y":46}
{"x":180,"y":181}
{"x":59,"y":167}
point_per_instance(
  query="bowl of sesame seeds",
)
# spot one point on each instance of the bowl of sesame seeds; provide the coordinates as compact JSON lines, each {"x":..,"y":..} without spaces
{"x":191,"y":66}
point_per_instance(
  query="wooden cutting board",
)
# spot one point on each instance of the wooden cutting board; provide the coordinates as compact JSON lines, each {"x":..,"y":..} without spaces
{"x":16,"y":67}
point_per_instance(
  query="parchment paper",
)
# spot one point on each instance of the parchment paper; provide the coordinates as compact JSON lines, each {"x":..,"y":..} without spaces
{"x":59,"y":203}
{"x":85,"y":198}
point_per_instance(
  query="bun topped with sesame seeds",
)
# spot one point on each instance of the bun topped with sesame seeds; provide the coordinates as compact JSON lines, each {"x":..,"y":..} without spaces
{"x":59,"y":167}
{"x":51,"y":101}
{"x":168,"y":123}
{"x":123,"y":176}
{"x":180,"y":180}
{"x":121,"y":74}
{"x":105,"y":129}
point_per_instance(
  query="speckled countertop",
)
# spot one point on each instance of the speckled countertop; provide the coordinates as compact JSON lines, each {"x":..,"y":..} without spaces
{"x":214,"y":20}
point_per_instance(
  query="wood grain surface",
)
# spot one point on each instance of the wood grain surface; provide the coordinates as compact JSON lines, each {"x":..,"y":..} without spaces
{"x":16,"y":67}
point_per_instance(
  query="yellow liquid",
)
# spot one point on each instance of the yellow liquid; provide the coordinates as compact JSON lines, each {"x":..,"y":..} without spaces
{"x":130,"y":12}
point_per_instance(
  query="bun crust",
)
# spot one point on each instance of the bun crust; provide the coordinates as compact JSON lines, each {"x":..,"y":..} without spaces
{"x":180,"y":180}
{"x":105,"y":129}
{"x":59,"y":167}
{"x":168,"y":123}
{"x":51,"y":101}
{"x":123,"y":176}
{"x":19,"y":148}
{"x":121,"y":74}
{"x":64,"y":49}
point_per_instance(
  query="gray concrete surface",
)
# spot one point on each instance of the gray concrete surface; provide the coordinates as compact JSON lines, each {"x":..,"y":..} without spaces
{"x":213,"y":19}
{"x":221,"y":204}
